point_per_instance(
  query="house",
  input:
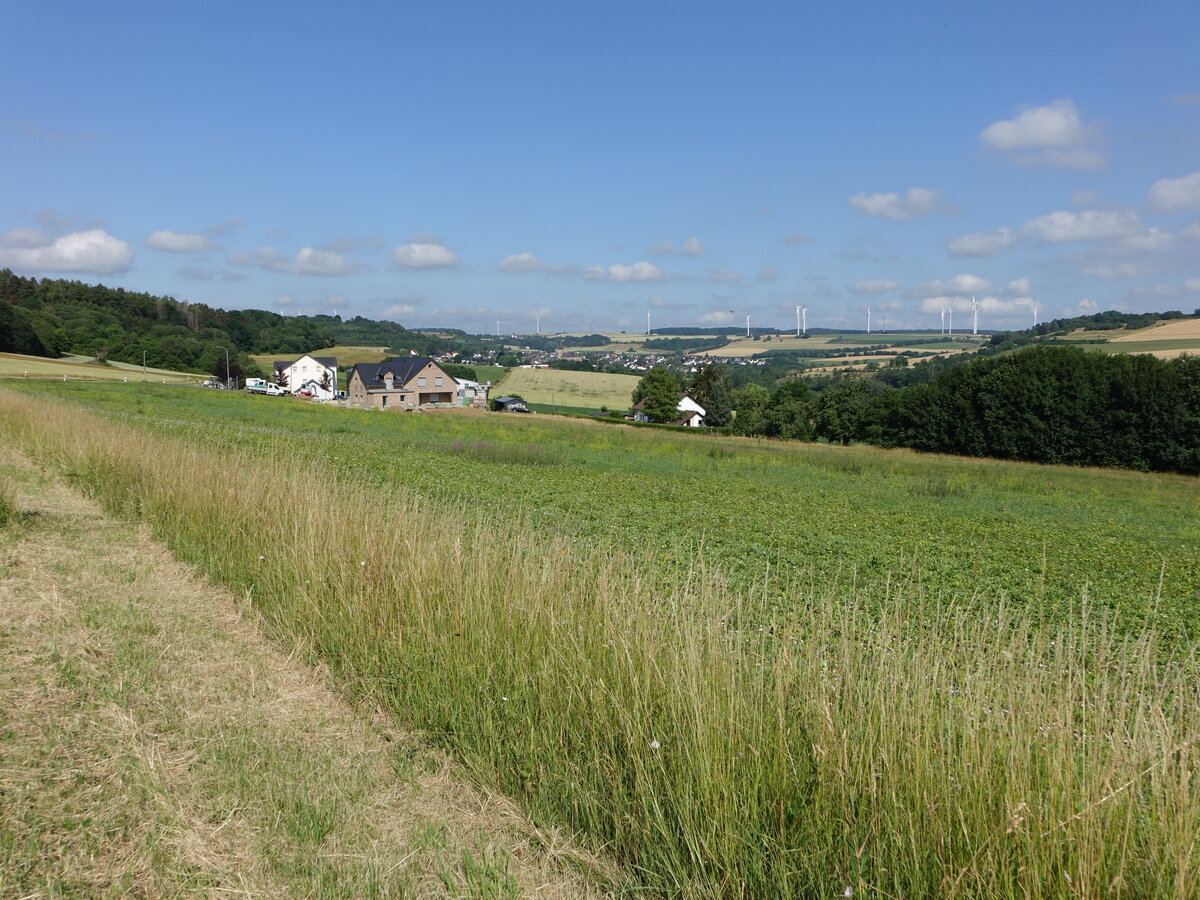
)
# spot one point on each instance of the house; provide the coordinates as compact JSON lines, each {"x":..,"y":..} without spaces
{"x":510,"y":404}
{"x":313,"y":376}
{"x":691,"y":413}
{"x":416,"y":382}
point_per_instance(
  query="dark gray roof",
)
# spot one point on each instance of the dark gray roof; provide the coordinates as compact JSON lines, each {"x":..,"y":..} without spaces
{"x":402,"y":369}
{"x":330,"y":361}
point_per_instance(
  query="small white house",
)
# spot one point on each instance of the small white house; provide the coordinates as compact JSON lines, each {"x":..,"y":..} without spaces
{"x":312,"y":376}
{"x":691,"y":413}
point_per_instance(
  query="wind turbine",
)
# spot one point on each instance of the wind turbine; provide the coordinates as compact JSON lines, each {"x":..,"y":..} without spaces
{"x":647,"y":323}
{"x":950,"y":309}
{"x":884,"y":310}
{"x":1035,"y":312}
{"x":974,"y":315}
{"x":497,"y":328}
{"x":538,"y":320}
{"x":797,"y":321}
{"x":868,"y":309}
{"x":747,"y":324}
{"x":943,"y":328}
{"x":804,"y":318}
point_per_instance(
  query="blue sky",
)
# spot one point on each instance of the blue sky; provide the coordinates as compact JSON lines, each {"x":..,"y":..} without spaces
{"x":456,"y":164}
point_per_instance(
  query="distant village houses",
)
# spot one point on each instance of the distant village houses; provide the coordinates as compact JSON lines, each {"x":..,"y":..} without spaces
{"x":691,"y":413}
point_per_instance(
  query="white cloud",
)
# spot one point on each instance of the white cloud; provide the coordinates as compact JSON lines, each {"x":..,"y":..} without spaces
{"x":912,"y":204}
{"x":518,"y":262}
{"x":1018,"y":287}
{"x":1152,"y":240}
{"x":1089,"y":225}
{"x":1052,"y":135}
{"x":637,"y":273}
{"x":982,"y":243}
{"x":1170,"y":194}
{"x":959,"y":285}
{"x":724,"y":276}
{"x":874,"y":287}
{"x":419,"y":255}
{"x":397,"y":311}
{"x":1109,"y":269}
{"x":724,"y":317}
{"x":1084,"y":307}
{"x":990,"y":306}
{"x":1192,"y":284}
{"x":94,"y":251}
{"x":690,"y":247}
{"x":1191,"y":233}
{"x":179,"y":242}
{"x":308,"y":261}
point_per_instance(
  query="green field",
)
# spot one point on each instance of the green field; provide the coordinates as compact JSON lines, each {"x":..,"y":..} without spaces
{"x":742,"y":668}
{"x":16,"y":365}
{"x":560,"y":387}
{"x":346,"y":356}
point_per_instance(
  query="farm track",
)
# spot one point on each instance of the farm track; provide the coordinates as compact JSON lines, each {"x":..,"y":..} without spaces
{"x":154,"y":742}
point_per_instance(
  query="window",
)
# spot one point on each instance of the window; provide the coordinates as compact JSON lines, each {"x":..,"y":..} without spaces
{"x":421,"y":381}
{"x":437,"y":381}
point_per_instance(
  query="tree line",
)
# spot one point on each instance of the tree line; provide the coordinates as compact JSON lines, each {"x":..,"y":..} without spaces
{"x":1047,"y":404}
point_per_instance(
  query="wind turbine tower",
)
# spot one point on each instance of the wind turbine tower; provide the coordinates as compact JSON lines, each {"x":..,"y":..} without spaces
{"x":974,"y":316}
{"x":943,"y":328}
{"x":884,"y":310}
{"x":804,"y":319}
{"x":647,"y":323}
{"x":497,"y":328}
{"x":747,"y":324}
{"x":868,"y":319}
{"x":950,"y":309}
{"x":1035,"y":312}
{"x":797,"y":321}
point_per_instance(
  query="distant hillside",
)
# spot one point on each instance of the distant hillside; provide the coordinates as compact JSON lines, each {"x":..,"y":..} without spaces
{"x":51,"y":317}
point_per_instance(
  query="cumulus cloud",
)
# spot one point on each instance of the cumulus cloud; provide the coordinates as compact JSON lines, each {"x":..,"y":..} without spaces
{"x":982,"y":243}
{"x":400,"y":309}
{"x":423,"y":255}
{"x":796,"y":240}
{"x":1170,"y":194}
{"x":95,"y":251}
{"x":1151,"y":240}
{"x":912,"y":204}
{"x":693,"y":247}
{"x":1084,"y":307}
{"x":179,"y":242}
{"x":519,"y":262}
{"x":959,"y":285}
{"x":874,"y":287}
{"x":1107,"y":269}
{"x":724,"y":317}
{"x":989,"y":306}
{"x":308,"y":261}
{"x":1053,"y":135}
{"x":636,"y":273}
{"x":1018,"y":287}
{"x":1089,"y":225}
{"x":724,"y":276}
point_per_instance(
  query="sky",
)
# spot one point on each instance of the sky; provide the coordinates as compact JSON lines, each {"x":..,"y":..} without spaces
{"x":563,"y":167}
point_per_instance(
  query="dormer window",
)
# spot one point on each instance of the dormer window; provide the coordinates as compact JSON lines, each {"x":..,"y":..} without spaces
{"x":387,"y":380}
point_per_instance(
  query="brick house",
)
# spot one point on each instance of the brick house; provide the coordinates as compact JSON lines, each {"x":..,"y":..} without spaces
{"x":404,"y":383}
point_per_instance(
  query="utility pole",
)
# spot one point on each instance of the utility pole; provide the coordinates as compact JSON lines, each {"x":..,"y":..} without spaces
{"x":143,"y":365}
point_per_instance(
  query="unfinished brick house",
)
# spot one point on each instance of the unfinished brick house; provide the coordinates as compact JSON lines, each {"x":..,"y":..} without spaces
{"x":415,"y":382}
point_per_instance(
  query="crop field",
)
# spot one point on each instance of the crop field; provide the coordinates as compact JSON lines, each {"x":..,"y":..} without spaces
{"x":582,"y":390}
{"x":834,"y":342}
{"x":741,"y":667}
{"x":346,"y":356}
{"x":16,"y":365}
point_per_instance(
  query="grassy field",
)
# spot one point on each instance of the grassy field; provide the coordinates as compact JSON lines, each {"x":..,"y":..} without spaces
{"x":581,"y":390}
{"x":346,"y":356}
{"x":835,"y":342}
{"x":16,"y":365}
{"x":743,"y":668}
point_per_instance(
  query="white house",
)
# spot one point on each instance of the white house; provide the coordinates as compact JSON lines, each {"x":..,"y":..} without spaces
{"x":313,"y":376}
{"x":691,"y":413}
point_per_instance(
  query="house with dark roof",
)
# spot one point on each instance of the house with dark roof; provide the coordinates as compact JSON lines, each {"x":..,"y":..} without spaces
{"x":312,"y":376}
{"x":415,"y":382}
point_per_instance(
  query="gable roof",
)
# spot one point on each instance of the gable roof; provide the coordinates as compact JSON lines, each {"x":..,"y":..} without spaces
{"x":327,"y":361}
{"x":402,"y":369}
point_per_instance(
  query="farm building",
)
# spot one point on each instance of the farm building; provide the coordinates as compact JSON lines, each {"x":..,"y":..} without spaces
{"x":510,"y":404}
{"x":416,"y":382}
{"x":313,"y":376}
{"x":691,"y":413}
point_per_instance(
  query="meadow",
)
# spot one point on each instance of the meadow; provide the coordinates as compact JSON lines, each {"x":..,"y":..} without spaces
{"x":584,"y":390}
{"x":16,"y":365}
{"x":743,"y":668}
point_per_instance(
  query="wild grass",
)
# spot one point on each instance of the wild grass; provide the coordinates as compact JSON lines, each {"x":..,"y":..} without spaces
{"x":718,"y":744}
{"x":8,"y":504}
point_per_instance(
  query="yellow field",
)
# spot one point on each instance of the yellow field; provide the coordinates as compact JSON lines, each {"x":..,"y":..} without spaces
{"x":346,"y":356}
{"x":1174,"y":330}
{"x":16,"y":365}
{"x":749,"y":346}
{"x":589,"y":390}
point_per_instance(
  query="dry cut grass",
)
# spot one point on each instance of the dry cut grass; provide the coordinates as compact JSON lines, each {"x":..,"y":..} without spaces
{"x":155,"y":744}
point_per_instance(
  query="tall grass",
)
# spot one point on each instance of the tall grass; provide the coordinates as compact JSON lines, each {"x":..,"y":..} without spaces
{"x":714,"y":745}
